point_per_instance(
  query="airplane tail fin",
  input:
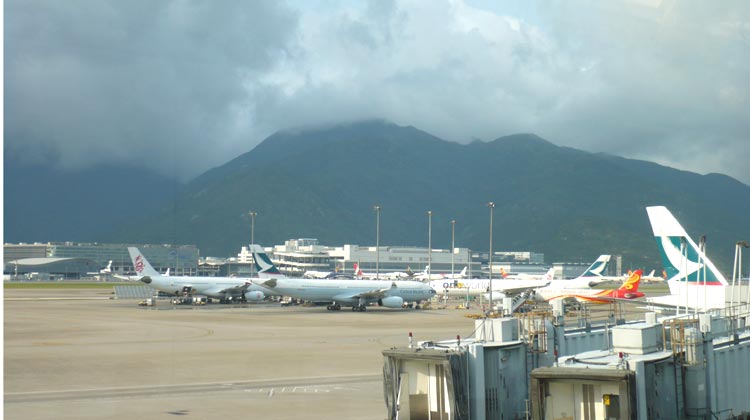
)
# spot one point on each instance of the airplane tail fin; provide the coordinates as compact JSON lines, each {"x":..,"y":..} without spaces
{"x":108,"y":268}
{"x":263,"y":263}
{"x":358,"y":270}
{"x":503,"y":274}
{"x":632,"y":283}
{"x":682,"y":258}
{"x":463,"y":272}
{"x":140,"y":263}
{"x":597,"y":268}
{"x":550,"y":274}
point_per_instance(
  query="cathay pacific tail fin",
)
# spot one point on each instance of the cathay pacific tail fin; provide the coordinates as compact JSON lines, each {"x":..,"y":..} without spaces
{"x":263,"y":264}
{"x":597,"y":268}
{"x":682,"y":258}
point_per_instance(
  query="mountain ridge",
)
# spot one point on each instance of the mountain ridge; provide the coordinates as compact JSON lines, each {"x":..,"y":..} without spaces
{"x":323,"y":182}
{"x":562,"y":201}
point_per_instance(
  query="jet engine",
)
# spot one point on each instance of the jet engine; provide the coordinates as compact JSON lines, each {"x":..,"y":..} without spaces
{"x":391,"y":302}
{"x":254,"y":296}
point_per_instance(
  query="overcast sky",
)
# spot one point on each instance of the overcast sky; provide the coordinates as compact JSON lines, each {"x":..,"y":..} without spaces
{"x":202,"y":82}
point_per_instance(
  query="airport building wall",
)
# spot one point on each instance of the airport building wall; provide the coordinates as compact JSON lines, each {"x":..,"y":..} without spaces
{"x":181,"y":258}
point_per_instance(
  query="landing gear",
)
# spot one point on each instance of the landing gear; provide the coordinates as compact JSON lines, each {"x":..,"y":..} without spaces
{"x":334,"y":307}
{"x":359,"y":308}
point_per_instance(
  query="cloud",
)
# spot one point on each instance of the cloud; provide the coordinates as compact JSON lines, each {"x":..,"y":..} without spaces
{"x":195,"y":85}
{"x":148,"y":82}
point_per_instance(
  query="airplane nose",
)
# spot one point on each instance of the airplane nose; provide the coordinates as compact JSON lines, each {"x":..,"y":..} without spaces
{"x":146,"y":279}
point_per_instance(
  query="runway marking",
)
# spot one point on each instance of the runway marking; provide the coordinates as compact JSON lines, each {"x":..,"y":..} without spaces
{"x":59,"y":298}
{"x":252,"y":386}
{"x":47,"y":344}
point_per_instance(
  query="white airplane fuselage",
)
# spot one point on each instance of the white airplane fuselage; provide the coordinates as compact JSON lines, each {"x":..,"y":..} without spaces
{"x":213,"y":287}
{"x":349,"y":292}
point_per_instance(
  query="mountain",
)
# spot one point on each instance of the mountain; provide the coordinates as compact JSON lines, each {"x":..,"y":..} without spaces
{"x":323,"y":183}
{"x":42,"y":202}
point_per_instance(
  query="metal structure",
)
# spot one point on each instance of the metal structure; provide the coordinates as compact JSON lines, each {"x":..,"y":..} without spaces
{"x":491,"y":205}
{"x":377,"y":240}
{"x":429,"y":244}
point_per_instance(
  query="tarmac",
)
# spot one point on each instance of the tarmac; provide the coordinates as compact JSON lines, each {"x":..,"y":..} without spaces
{"x":77,"y":354}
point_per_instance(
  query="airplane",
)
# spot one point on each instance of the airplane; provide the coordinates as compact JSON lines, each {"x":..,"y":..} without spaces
{"x":104,"y":272}
{"x":476,"y":287}
{"x":226,"y":289}
{"x":426,"y":275}
{"x":591,"y":277}
{"x":337,"y":293}
{"x":646,"y":278}
{"x":312,"y":274}
{"x":550,"y":274}
{"x":693,"y":280}
{"x":392,"y":275}
{"x":628,"y":290}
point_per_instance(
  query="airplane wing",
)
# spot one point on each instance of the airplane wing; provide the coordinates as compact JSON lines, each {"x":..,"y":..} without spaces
{"x":239,"y":289}
{"x":516,"y":289}
{"x":370,"y":294}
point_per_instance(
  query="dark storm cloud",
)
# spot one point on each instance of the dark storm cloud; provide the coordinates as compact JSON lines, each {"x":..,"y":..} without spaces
{"x":202,"y":82}
{"x":136,"y":80}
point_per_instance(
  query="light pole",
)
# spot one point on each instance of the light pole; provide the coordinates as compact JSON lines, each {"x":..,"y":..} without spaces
{"x":453,"y":245}
{"x":377,"y":241}
{"x":252,"y":237}
{"x":738,"y":269}
{"x":429,"y":245}
{"x":491,"y":205}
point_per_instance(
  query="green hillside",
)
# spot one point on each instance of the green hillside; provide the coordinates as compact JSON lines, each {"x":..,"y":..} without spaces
{"x":566,"y":203}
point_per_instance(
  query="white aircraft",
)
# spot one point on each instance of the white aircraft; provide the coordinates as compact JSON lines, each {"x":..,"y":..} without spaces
{"x":337,"y":293}
{"x":426,"y":275}
{"x":628,"y":290}
{"x":476,"y":287}
{"x":104,"y":272}
{"x":694,"y":281}
{"x":593,"y":275}
{"x":550,"y":274}
{"x":312,"y":274}
{"x":391,"y":275}
{"x":226,"y":289}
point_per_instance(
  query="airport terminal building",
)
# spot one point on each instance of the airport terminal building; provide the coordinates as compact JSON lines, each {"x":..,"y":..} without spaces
{"x":294,"y":258}
{"x":67,"y":256}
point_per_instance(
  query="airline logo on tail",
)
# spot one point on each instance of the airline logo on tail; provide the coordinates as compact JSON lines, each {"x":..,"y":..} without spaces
{"x":358,"y":271}
{"x":628,"y":290}
{"x":680,"y":255}
{"x":139,"y":264}
{"x":263,"y":264}
{"x":598,"y":267}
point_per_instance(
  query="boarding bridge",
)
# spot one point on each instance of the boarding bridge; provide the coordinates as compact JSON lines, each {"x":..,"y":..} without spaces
{"x":687,"y":367}
{"x":133,"y":292}
{"x":483,"y":377}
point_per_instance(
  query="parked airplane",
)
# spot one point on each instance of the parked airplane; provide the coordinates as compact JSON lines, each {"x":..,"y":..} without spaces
{"x":549,"y":275}
{"x":427,"y":275}
{"x":476,"y":287}
{"x":694,"y":281}
{"x":226,"y":289}
{"x":104,"y":272}
{"x":312,"y":274}
{"x":390,"y":275}
{"x":337,"y":293}
{"x":628,"y":290}
{"x":590,"y":277}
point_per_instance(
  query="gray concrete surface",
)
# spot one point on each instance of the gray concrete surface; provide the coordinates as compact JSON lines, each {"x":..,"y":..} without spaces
{"x":73,"y":354}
